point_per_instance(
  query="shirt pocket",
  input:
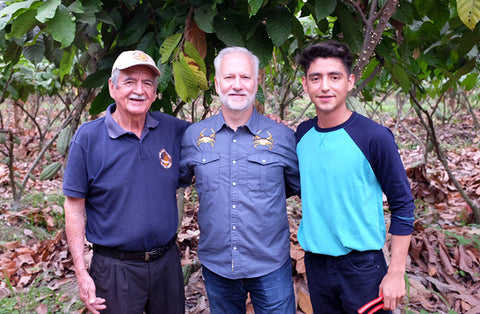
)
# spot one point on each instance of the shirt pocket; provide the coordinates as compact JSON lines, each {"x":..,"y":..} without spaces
{"x":207,"y":167}
{"x":264,"y":172}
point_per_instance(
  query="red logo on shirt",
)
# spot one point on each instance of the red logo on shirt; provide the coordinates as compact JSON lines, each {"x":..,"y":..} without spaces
{"x":165,"y":159}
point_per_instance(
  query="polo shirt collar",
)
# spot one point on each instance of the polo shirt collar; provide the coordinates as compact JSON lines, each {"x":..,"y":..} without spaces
{"x":115,"y":131}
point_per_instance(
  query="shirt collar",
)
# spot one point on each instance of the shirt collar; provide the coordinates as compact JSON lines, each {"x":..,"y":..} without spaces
{"x":115,"y":131}
{"x":218,"y":122}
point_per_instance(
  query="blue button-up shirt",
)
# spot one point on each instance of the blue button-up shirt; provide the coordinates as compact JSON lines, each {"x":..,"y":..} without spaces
{"x":241,"y":178}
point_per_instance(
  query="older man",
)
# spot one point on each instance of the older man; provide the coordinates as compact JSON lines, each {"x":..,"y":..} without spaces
{"x":243,"y":163}
{"x":122,"y":172}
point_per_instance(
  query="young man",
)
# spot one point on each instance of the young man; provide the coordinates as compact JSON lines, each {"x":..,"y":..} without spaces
{"x":122,"y":173}
{"x":346,"y":161}
{"x":243,"y":163}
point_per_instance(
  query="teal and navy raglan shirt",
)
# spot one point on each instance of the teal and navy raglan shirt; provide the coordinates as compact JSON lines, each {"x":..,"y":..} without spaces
{"x":343,"y":172}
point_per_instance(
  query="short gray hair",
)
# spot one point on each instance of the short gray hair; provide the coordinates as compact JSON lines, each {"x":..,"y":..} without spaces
{"x":230,"y":50}
{"x":114,"y":77}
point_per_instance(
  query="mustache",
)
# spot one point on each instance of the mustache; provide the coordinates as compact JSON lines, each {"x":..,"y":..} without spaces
{"x":137,"y":97}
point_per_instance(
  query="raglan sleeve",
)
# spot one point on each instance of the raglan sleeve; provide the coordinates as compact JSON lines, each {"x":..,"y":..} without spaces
{"x":392,"y":176}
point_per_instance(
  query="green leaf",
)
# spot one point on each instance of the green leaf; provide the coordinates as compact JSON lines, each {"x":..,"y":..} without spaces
{"x":261,"y":45}
{"x":76,"y":7}
{"x":200,"y":76}
{"x":62,"y":27}
{"x":192,"y":52}
{"x":255,"y":5}
{"x":87,"y":18}
{"x":22,"y":24}
{"x":35,"y":53}
{"x":469,"y":12}
{"x":7,"y":12}
{"x":166,"y":77}
{"x":204,"y":16}
{"x":350,"y":28}
{"x":400,"y":76}
{"x":66,"y":64}
{"x":13,"y":53}
{"x":101,"y":102}
{"x":354,"y":104}
{"x":279,"y":25}
{"x":470,"y":81}
{"x":324,"y":8}
{"x":97,"y":79}
{"x":185,"y":84}
{"x":47,"y":10}
{"x":135,"y":29}
{"x":227,"y":33}
{"x":169,"y":46}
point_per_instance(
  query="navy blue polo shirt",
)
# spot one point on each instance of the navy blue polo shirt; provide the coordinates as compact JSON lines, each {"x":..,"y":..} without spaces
{"x":128,"y":183}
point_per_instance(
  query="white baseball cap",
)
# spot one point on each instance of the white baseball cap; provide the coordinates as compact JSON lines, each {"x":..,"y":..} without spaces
{"x":131,"y":58}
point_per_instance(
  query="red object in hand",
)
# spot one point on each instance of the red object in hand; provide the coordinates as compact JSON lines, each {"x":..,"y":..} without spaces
{"x":370,"y":304}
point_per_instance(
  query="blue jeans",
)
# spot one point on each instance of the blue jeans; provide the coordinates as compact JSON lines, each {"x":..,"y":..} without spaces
{"x":345,"y":283}
{"x":271,"y":293}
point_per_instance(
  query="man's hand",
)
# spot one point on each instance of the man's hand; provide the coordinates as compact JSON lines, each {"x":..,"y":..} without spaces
{"x":86,"y":287}
{"x":276,"y":118}
{"x":393,"y":289}
{"x":393,"y":284}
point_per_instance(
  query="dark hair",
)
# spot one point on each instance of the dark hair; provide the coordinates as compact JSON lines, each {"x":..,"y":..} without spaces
{"x":326,"y":49}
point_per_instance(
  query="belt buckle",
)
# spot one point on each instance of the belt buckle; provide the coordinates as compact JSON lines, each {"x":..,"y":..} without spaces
{"x":153,"y":255}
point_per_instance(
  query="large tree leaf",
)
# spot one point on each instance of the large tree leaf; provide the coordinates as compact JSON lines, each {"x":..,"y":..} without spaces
{"x":350,"y":28}
{"x":169,"y":46}
{"x":23,"y":23}
{"x":469,"y":12}
{"x":196,"y":64}
{"x":7,"y":12}
{"x":255,"y":5}
{"x":196,"y":36}
{"x":135,"y":29}
{"x":62,"y":27}
{"x":204,"y":17}
{"x":96,"y":79}
{"x":101,"y":101}
{"x":279,"y":25}
{"x":186,"y":85}
{"x":35,"y":53}
{"x":191,"y":51}
{"x":261,"y":45}
{"x":324,"y":8}
{"x":66,"y":65}
{"x":227,"y":33}
{"x":47,"y":10}
{"x":400,"y":76}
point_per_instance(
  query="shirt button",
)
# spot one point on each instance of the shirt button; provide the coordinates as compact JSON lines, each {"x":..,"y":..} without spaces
{"x":234,"y":183}
{"x":234,"y":140}
{"x":263,"y":160}
{"x":204,"y":160}
{"x":234,"y":228}
{"x":234,"y":161}
{"x":234,"y":206}
{"x":234,"y":248}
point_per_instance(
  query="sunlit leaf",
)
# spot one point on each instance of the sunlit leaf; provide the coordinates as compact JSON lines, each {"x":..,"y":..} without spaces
{"x":169,"y":46}
{"x":47,"y":10}
{"x":62,"y":27}
{"x":469,"y":12}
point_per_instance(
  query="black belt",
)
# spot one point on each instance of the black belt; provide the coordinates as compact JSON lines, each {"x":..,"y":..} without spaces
{"x":138,"y":256}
